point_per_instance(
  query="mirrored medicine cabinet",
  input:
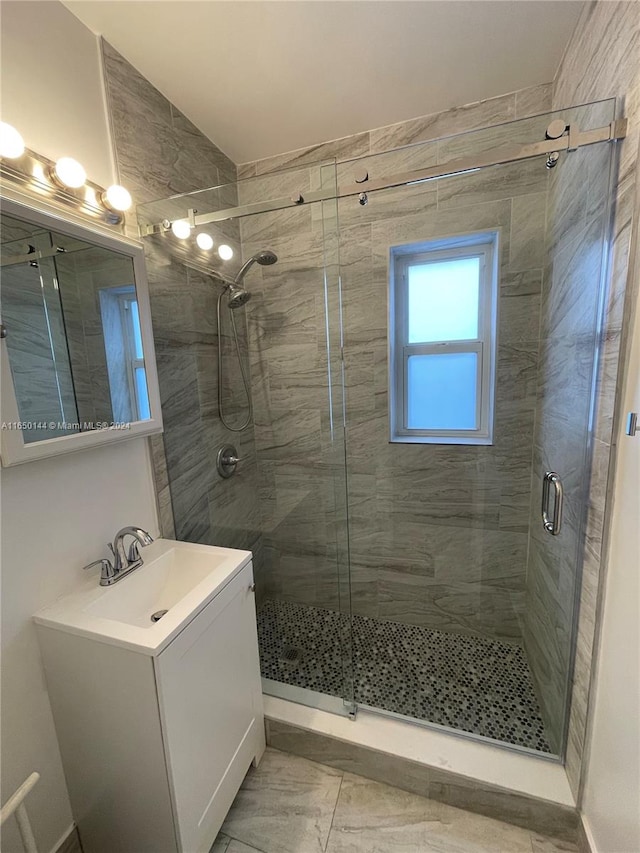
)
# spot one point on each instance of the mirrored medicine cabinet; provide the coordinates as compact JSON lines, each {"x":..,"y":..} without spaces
{"x":78,"y":364}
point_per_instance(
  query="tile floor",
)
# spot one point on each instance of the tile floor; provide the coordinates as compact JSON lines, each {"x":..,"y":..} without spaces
{"x":291,"y":805}
{"x":467,"y":683}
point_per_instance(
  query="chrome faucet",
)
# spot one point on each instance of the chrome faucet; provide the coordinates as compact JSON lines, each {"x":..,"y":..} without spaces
{"x":124,"y":561}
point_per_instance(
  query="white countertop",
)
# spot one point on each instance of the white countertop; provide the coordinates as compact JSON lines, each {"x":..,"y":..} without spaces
{"x":180,"y":576}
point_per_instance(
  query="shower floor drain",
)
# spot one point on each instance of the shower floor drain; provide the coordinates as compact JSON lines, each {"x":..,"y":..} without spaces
{"x":291,"y":655}
{"x":157,"y":616}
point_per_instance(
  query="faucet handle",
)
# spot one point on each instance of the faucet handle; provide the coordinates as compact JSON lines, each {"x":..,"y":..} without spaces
{"x":107,"y":570}
{"x":134,"y":552}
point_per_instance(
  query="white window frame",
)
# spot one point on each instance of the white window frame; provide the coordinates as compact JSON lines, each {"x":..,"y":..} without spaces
{"x":125,"y":300}
{"x":485,"y":247}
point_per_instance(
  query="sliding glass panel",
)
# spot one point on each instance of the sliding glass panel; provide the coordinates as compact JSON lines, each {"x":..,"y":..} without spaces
{"x":287,"y":500}
{"x":463,"y":605}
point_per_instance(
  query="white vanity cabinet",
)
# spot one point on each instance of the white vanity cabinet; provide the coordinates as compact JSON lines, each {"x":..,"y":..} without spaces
{"x":155,"y":746}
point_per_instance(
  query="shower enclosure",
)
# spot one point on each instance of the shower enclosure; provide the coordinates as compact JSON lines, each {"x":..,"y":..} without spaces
{"x":408,"y":573}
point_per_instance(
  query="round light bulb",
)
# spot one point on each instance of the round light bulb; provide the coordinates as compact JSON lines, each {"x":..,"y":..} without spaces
{"x":117,"y":198}
{"x":11,"y":143}
{"x":205,"y":242}
{"x":70,"y":173}
{"x":225,"y":252}
{"x":181,"y":229}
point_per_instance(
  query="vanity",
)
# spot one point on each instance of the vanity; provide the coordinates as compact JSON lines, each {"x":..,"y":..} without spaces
{"x":158,"y":719}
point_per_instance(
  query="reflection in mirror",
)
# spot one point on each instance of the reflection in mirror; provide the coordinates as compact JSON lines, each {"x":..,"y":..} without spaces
{"x":73,"y":329}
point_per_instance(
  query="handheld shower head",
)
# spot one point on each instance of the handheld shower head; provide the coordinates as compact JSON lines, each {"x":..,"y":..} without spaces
{"x":238,"y":296}
{"x":265,"y":258}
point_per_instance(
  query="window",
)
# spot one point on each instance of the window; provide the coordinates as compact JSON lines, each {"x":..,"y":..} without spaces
{"x":442,"y":337}
{"x":133,"y":341}
{"x":123,"y":350}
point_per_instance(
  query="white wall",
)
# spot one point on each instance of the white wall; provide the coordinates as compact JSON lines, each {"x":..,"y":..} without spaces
{"x":611,"y":801}
{"x":51,"y":87}
{"x":57,"y":514}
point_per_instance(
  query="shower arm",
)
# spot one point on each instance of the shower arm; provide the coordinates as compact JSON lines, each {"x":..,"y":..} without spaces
{"x":209,"y":271}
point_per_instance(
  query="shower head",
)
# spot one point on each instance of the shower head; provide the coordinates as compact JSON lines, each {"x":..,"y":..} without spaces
{"x":264,"y":258}
{"x":238,"y":296}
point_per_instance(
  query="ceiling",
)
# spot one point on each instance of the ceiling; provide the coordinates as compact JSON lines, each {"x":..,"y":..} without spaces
{"x":261,"y":78}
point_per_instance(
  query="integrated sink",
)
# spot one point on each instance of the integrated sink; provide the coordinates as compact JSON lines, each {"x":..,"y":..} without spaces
{"x":179,"y":578}
{"x":158,"y":585}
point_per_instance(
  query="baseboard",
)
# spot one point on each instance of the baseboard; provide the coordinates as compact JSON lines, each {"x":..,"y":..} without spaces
{"x":70,"y":842}
{"x":586,"y":843}
{"x":436,"y":783}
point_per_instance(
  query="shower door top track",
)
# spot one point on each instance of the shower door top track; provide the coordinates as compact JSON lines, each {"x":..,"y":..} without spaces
{"x":571,"y":139}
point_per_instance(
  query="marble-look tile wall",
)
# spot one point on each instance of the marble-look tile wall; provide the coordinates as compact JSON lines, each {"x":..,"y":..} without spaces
{"x":492,"y":111}
{"x":602,"y":60}
{"x":160,"y":153}
{"x":416,"y":513}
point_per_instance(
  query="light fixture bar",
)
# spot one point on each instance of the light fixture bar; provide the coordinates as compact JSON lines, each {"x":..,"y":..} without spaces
{"x":570,"y":141}
{"x":36,"y":173}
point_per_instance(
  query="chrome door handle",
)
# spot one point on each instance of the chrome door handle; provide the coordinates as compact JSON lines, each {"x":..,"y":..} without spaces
{"x":552,"y":525}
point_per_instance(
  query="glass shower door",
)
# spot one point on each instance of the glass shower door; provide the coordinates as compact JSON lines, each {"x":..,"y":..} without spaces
{"x":463,"y":605}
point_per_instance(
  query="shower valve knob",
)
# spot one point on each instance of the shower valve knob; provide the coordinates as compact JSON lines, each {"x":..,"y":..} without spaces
{"x":226,"y":460}
{"x":297,"y":198}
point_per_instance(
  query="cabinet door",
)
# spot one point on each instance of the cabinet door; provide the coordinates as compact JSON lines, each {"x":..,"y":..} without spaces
{"x":211,"y":707}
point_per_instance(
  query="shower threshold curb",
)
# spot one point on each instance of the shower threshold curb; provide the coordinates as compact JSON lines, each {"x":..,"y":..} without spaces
{"x":524,"y":790}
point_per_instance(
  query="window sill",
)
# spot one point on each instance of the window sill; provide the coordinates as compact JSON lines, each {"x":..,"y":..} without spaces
{"x":441,"y":439}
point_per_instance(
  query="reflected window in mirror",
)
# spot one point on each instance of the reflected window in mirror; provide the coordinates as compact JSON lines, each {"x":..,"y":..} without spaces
{"x":124,"y":353}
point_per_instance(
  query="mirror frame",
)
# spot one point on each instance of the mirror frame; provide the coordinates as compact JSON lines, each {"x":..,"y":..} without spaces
{"x":13,"y":450}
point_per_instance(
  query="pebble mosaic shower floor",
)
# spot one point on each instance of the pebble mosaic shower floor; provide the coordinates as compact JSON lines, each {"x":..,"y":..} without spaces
{"x":462,"y":682}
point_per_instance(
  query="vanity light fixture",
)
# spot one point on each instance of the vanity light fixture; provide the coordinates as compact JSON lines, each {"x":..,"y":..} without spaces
{"x":64,"y":182}
{"x":181,"y":229}
{"x":204,"y":241}
{"x":69,"y":173}
{"x":11,"y":143}
{"x":225,"y":252}
{"x":116,"y":198}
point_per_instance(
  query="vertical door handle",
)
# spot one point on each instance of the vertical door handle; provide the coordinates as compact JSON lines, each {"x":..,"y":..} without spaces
{"x":552,"y":524}
{"x":632,"y":424}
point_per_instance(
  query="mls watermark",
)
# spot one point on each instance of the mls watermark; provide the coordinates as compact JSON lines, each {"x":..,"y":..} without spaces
{"x":64,"y":426}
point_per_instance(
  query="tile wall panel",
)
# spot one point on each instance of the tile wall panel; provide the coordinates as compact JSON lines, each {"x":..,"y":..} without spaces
{"x":160,"y":153}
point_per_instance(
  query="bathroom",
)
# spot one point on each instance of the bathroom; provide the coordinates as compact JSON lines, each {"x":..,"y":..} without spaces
{"x":437,"y":666}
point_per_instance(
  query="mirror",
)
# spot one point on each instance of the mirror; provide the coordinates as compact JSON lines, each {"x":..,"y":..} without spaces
{"x":77,"y":348}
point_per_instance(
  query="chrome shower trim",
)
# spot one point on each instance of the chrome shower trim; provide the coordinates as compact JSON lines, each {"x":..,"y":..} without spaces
{"x":194,"y":265}
{"x":265,"y":258}
{"x":573,"y":139}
